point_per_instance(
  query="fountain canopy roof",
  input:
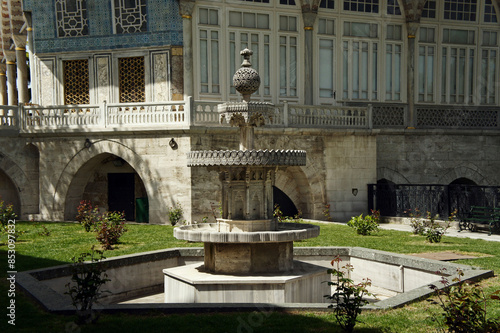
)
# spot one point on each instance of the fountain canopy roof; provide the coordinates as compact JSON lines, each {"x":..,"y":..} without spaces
{"x":247,"y":158}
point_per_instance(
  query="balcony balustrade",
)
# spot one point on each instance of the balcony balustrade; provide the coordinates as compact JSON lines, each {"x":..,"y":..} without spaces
{"x":112,"y":117}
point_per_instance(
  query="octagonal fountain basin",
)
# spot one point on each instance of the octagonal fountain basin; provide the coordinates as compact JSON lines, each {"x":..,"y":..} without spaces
{"x":238,"y":231}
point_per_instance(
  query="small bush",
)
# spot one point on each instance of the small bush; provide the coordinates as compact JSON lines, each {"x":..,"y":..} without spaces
{"x":6,"y":213}
{"x":326,"y":212}
{"x":88,"y":215}
{"x":175,"y":214}
{"x":278,"y":214}
{"x":428,"y":226}
{"x":464,"y":306}
{"x":44,"y":232}
{"x":110,"y":227}
{"x":364,"y":225}
{"x":88,"y":279}
{"x":348,"y":297}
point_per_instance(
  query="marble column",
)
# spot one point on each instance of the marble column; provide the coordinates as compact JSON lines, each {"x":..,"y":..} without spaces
{"x":412,"y":28}
{"x":309,"y":14}
{"x":11,"y":77}
{"x":3,"y":85}
{"x":186,"y":10}
{"x":22,"y":68}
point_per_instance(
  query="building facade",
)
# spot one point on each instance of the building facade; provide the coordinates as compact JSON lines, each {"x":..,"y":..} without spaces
{"x":118,"y":91}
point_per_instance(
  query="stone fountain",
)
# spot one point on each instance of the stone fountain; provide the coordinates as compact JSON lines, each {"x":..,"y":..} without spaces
{"x":248,"y":254}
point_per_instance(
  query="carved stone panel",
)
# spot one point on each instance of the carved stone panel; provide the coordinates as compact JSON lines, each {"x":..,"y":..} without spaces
{"x":160,"y":77}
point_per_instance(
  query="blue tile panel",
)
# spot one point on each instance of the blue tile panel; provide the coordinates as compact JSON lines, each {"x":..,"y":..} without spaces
{"x":164,"y":27}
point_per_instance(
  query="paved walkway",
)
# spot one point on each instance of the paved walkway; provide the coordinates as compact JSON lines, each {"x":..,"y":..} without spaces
{"x":453,"y":232}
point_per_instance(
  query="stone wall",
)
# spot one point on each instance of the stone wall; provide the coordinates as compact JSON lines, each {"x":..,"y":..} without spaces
{"x":423,"y":157}
{"x":47,"y":176}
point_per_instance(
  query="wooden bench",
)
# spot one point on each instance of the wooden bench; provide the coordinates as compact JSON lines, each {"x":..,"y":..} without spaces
{"x":481,"y":216}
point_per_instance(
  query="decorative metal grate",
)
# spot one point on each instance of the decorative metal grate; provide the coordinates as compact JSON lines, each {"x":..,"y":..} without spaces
{"x":389,"y":115}
{"x":76,"y":82}
{"x":130,"y":16}
{"x":131,"y":81}
{"x":71,"y":18}
{"x":398,"y":200}
{"x":463,"y":117}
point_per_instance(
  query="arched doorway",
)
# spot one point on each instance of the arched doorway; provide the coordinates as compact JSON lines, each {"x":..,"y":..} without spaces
{"x":285,"y":204}
{"x":9,"y":193}
{"x":111,"y":183}
{"x":386,"y":201}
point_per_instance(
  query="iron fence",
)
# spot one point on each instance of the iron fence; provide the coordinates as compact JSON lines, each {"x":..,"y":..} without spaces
{"x":400,"y":199}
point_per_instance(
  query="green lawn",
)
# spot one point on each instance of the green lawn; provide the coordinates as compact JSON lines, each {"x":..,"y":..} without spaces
{"x":67,"y":240}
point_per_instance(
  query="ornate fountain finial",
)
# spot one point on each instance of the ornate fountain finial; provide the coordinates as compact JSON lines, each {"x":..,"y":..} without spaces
{"x":246,"y":53}
{"x":246,"y":80}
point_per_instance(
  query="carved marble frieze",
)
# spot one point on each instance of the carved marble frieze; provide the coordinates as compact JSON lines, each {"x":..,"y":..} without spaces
{"x":247,"y":158}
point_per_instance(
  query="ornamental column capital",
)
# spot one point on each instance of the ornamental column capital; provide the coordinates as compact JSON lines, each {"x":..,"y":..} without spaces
{"x":186,"y":8}
{"x":19,"y":41}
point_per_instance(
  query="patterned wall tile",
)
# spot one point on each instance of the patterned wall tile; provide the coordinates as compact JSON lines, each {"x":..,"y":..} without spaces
{"x":164,"y":27}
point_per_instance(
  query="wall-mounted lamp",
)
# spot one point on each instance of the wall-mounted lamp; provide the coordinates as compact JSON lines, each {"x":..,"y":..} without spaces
{"x":87,"y":143}
{"x":355,"y":191}
{"x":173,"y":144}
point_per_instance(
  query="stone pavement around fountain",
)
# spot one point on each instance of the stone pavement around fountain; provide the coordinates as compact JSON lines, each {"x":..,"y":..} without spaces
{"x":379,"y":292}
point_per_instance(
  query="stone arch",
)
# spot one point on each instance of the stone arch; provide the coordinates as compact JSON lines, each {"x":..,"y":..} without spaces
{"x":391,"y":175}
{"x":70,"y":182}
{"x":304,"y":187}
{"x":466,"y":170}
{"x":21,"y":188}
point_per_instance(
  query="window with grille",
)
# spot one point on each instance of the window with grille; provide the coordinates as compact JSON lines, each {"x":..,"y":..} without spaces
{"x":365,"y":6}
{"x":71,"y":18}
{"x":359,"y":76}
{"x":329,"y":4}
{"x":460,"y":10}
{"x":131,"y":80}
{"x":288,"y":65}
{"x":429,"y":10}
{"x":426,"y":64}
{"x":393,"y":7}
{"x":130,"y":16}
{"x":287,"y":2}
{"x":76,"y":82}
{"x":248,"y":20}
{"x":490,"y":15}
{"x":489,"y":59}
{"x":326,"y":27}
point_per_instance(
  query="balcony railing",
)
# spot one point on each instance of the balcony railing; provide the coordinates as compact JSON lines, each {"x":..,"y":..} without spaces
{"x":189,"y":113}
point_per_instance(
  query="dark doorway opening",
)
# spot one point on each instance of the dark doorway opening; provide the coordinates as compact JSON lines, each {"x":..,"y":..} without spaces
{"x":286,"y":204}
{"x":121,"y":194}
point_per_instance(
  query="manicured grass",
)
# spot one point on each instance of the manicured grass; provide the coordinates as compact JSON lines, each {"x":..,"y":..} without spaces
{"x":67,"y":240}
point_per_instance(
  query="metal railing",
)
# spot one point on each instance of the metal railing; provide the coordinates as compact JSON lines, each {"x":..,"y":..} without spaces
{"x":401,"y":199}
{"x":188,"y":113}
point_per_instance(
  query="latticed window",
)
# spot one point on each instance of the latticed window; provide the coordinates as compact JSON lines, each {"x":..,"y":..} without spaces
{"x":490,"y":14}
{"x":460,"y":10}
{"x":287,"y":2}
{"x":71,"y":18}
{"x":429,"y":10}
{"x":330,"y":4}
{"x":366,"y":6}
{"x":76,"y":82}
{"x":130,"y":16}
{"x":131,"y":80}
{"x":393,"y":7}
